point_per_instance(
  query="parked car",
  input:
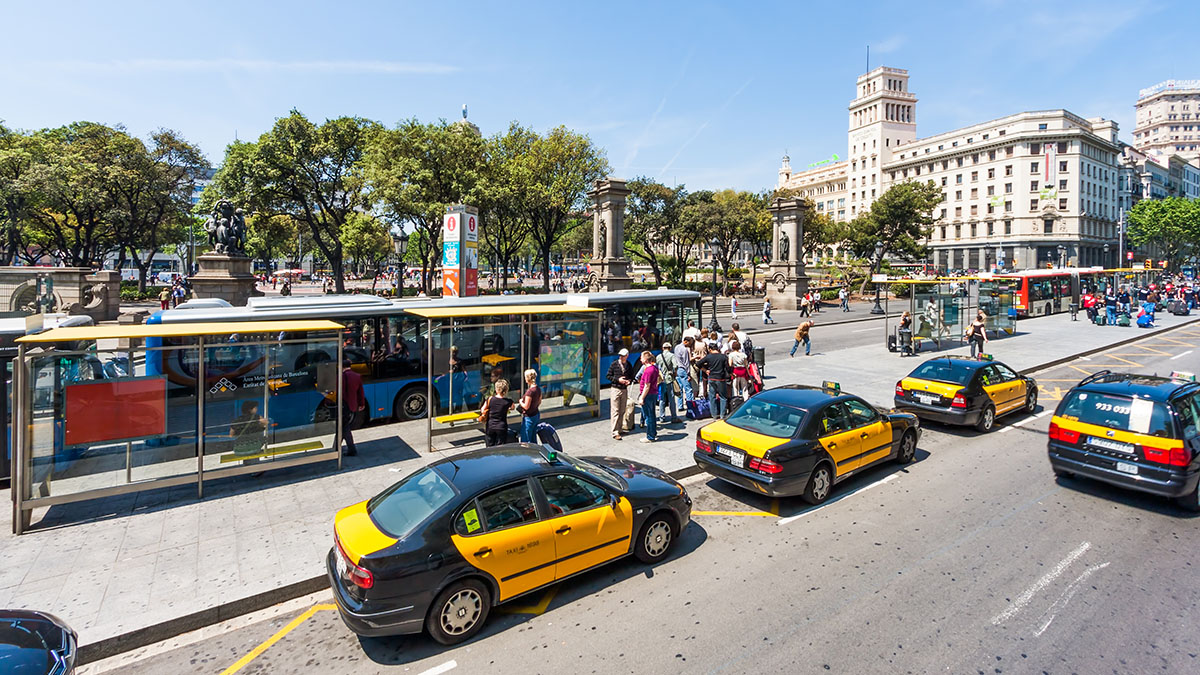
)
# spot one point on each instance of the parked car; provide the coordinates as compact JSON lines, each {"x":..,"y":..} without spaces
{"x":35,"y":643}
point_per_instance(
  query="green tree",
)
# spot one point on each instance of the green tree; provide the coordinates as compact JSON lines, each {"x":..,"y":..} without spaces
{"x":501,"y":198}
{"x":900,"y":220}
{"x":560,"y":168}
{"x":268,"y":237}
{"x":758,"y":235}
{"x":366,"y":241}
{"x":821,"y":231}
{"x":418,"y":170}
{"x":651,"y":216}
{"x":1172,"y":225}
{"x":724,"y":219}
{"x":20,"y":154}
{"x":314,"y":174}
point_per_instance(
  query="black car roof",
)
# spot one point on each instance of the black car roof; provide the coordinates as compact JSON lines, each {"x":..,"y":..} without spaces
{"x":479,"y":469}
{"x":1152,"y":387}
{"x":799,"y":395}
{"x":960,"y":361}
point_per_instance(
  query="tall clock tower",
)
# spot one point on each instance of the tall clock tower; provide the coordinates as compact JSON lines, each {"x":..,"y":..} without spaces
{"x":883,"y":116}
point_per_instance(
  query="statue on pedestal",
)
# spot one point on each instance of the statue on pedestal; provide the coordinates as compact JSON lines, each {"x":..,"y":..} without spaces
{"x":784,"y":247}
{"x":226,"y":227}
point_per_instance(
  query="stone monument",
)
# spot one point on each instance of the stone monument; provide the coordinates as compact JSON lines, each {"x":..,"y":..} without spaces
{"x":788,"y":280}
{"x":225,"y":271}
{"x":610,"y":269}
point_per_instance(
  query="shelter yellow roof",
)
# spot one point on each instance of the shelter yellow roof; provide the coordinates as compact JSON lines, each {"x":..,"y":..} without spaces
{"x":497,"y":310}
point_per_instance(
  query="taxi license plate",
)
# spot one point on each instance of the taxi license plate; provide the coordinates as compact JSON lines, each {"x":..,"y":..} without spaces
{"x":1125,"y":467}
{"x":1116,"y":446}
{"x":928,"y":399}
{"x":340,"y":563}
{"x":736,"y":457}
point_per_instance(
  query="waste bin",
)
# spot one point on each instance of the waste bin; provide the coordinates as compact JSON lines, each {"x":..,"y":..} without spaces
{"x":760,"y":359}
{"x":1073,"y":308}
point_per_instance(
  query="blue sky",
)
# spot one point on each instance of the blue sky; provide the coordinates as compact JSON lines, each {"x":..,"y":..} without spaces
{"x":700,"y":93}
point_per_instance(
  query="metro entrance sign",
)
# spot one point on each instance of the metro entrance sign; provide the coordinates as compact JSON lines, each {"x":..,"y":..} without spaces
{"x":460,"y":251}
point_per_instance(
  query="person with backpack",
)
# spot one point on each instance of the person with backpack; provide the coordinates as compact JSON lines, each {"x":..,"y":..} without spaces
{"x":715,"y":367}
{"x":667,"y":384}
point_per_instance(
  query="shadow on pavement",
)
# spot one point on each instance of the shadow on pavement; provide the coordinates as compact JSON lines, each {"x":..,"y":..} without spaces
{"x":1132,"y":498}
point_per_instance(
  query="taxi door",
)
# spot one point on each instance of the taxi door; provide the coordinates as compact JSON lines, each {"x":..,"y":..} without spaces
{"x":874,"y":431}
{"x":1014,"y":386}
{"x":587,"y":529}
{"x":839,"y":439}
{"x":994,"y":388}
{"x":501,"y":534}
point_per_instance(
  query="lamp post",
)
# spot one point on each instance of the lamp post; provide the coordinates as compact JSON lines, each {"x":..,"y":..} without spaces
{"x":713,"y":325}
{"x":400,"y":245}
{"x":877,"y":309}
{"x":1062,"y":256}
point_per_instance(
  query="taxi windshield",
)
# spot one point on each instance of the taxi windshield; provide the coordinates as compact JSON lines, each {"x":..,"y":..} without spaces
{"x":770,"y":419}
{"x":399,"y":509}
{"x":944,"y":371}
{"x":1138,"y":415}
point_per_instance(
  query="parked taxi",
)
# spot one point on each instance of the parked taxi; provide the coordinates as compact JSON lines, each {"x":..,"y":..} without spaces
{"x":961,"y":390}
{"x":438,"y":549}
{"x":801,"y":440}
{"x":1135,"y":431}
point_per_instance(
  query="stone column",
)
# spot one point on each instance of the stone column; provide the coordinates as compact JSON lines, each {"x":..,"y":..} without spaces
{"x":788,"y":280}
{"x":610,"y":268}
{"x":224,"y":276}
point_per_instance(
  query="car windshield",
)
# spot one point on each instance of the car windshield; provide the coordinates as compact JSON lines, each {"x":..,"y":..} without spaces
{"x":944,"y":371}
{"x":400,"y":508}
{"x":771,"y":419}
{"x":1138,"y":415}
{"x":600,"y":473}
{"x":26,"y":645}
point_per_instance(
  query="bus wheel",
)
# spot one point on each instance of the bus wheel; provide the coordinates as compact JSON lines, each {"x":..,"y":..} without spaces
{"x":412,"y":403}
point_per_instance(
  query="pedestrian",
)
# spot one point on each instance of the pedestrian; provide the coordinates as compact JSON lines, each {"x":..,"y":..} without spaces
{"x":977,"y":335}
{"x":530,"y":403}
{"x":801,"y":335}
{"x":1110,"y":306}
{"x":648,"y":396}
{"x":715,"y":367}
{"x":805,"y":303}
{"x":844,"y":298}
{"x":620,"y":376}
{"x":494,"y":415}
{"x":738,"y":366}
{"x":164,"y":298}
{"x":733,"y":305}
{"x":667,"y":385}
{"x":766,"y":312}
{"x":683,"y":363}
{"x":691,"y":331}
{"x":905,"y":333}
{"x":699,"y":351}
{"x":178,"y":294}
{"x":355,"y":402}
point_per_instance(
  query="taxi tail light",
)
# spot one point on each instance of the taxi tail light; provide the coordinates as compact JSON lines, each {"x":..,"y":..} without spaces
{"x":959,"y":401}
{"x":1169,"y":456}
{"x":899,"y":390}
{"x":1058,"y":433}
{"x":765,"y":465}
{"x":359,"y":576}
{"x":703,"y":445}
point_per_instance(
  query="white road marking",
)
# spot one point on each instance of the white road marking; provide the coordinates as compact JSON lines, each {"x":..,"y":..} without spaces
{"x":1066,"y":596}
{"x":1025,"y":421}
{"x":798,"y":516}
{"x":864,"y":330}
{"x":1045,"y":581}
{"x":1085,"y":358}
{"x":1179,"y":355}
{"x":782,"y":342}
{"x":438,"y":670}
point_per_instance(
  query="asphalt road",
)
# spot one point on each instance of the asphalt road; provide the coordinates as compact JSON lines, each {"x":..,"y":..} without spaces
{"x":972,"y":559}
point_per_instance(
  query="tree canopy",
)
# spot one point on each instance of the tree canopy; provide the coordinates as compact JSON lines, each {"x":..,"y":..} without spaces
{"x":1172,"y":225}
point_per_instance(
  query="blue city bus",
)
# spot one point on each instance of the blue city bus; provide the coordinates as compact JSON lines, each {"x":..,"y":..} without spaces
{"x":386,"y":344}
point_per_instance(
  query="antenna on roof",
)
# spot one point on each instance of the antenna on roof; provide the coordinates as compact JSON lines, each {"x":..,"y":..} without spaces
{"x":868,"y":58}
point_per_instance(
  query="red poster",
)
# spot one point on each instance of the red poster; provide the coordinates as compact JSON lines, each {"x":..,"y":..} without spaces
{"x":450,"y":287}
{"x":115,"y":410}
{"x":470,"y":282}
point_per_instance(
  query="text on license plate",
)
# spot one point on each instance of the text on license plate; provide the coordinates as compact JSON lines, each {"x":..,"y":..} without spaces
{"x":340,"y":563}
{"x":927,"y":399}
{"x":736,"y":457}
{"x":1125,"y":467}
{"x":1117,"y":446}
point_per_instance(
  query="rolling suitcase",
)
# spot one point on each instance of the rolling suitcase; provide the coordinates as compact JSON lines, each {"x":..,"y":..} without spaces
{"x":698,"y":409}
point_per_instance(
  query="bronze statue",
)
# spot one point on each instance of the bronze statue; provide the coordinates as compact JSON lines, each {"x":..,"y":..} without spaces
{"x":226,"y":228}
{"x":783,"y":246}
{"x":603,"y":240}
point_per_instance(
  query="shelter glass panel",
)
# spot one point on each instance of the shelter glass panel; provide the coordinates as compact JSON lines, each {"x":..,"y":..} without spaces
{"x":563,"y":353}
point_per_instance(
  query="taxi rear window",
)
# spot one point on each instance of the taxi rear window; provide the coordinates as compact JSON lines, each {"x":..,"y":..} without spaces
{"x":770,"y":419}
{"x":399,"y":509}
{"x":944,"y":371}
{"x":1139,"y":415}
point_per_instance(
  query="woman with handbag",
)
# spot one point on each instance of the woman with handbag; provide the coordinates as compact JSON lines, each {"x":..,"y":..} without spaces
{"x":493,"y":415}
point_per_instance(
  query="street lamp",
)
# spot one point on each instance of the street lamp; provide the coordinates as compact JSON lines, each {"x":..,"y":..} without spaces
{"x":713,"y":325}
{"x":400,"y":245}
{"x":877,"y":309}
{"x":1062,"y":256}
{"x":1106,"y":247}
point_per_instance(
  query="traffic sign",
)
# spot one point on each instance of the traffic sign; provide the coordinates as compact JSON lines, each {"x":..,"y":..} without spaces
{"x":1129,"y":255}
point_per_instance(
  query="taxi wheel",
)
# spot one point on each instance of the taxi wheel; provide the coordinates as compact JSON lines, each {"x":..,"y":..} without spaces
{"x":458,"y":612}
{"x":908,"y":448}
{"x":820,"y":484}
{"x":1031,"y":401}
{"x":987,"y":419}
{"x":656,"y":539}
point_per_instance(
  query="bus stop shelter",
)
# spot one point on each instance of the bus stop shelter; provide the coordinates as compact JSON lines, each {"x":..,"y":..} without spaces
{"x":97,"y":413}
{"x":472,"y":348}
{"x":943,"y":308}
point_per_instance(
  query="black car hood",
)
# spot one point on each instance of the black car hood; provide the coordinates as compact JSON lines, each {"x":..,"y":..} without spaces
{"x":643,"y":480}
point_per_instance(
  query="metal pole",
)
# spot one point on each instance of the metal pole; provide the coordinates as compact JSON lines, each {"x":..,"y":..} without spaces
{"x":337,"y":409}
{"x":201,"y":380}
{"x":18,"y":431}
{"x":428,"y":384}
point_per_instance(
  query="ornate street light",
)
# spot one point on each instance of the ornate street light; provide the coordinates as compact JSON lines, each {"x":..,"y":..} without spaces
{"x":713,"y":325}
{"x":1062,"y":256}
{"x":877,"y":309}
{"x":400,"y":246}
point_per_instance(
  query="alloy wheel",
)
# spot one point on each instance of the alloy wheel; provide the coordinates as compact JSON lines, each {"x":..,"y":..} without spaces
{"x":461,"y":611}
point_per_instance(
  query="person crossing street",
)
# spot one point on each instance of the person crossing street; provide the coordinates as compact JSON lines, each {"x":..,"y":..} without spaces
{"x":801,"y":336}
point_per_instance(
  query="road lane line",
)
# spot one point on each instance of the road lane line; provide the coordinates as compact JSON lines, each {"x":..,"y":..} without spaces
{"x":1179,"y":355}
{"x":438,"y":670}
{"x":257,"y":651}
{"x":864,"y":330}
{"x":798,"y":516}
{"x":782,"y":342}
{"x":1019,"y":604}
{"x":1066,"y":596}
{"x":733,"y":513}
{"x":1025,"y":421}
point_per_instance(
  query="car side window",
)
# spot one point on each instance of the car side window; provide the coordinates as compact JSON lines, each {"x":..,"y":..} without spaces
{"x":567,"y":494}
{"x":1005,"y":372}
{"x":988,"y":376}
{"x":833,"y":420}
{"x":1188,"y":409}
{"x":505,"y":507}
{"x":861,"y":414}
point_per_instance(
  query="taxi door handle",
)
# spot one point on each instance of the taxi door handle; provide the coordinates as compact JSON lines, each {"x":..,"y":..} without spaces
{"x":563,"y":530}
{"x":832,"y":445}
{"x":863,"y":435}
{"x":482,"y":552}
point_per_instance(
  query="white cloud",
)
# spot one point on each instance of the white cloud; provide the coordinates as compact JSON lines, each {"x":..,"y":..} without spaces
{"x":889,"y":45}
{"x":129,"y":66}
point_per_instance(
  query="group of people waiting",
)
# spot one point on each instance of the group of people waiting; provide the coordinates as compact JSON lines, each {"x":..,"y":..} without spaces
{"x":704,"y":365}
{"x":493,"y":414}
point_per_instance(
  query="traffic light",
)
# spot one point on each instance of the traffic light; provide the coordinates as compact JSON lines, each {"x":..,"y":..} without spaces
{"x":1147,"y":264}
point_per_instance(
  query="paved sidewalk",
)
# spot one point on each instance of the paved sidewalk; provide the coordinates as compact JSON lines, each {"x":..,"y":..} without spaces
{"x":115,"y":566}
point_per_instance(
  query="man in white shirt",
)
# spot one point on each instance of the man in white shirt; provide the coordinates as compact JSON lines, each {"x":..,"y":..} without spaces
{"x":691,"y":331}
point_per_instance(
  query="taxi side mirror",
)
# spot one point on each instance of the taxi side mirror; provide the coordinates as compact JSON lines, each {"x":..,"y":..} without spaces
{"x":613,"y":501}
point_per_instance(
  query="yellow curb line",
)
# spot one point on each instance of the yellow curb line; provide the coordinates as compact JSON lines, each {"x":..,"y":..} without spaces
{"x":257,"y":651}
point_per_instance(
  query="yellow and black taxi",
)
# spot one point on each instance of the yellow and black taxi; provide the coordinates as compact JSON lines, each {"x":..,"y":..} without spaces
{"x":802,"y":440}
{"x":961,"y":390}
{"x":438,"y":549}
{"x":1133,"y":431}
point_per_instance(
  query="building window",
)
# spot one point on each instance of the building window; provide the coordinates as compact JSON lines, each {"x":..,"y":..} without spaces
{"x":943,"y":228}
{"x":1064,"y":147}
{"x":1033,"y":167}
{"x":991,"y":190}
{"x":1033,"y":186}
{"x":991,"y":153}
{"x":1035,"y":148}
{"x":992,"y":173}
{"x":974,"y":176}
{"x":958,"y":212}
{"x":958,"y":179}
{"x":1042,"y":127}
{"x":958,"y":195}
{"x":974,"y":212}
{"x":943,"y":216}
{"x":973,"y":229}
{"x":991,"y":209}
{"x":944,"y":181}
{"x":991,"y":228}
{"x":958,"y":231}
{"x":1008,"y":170}
{"x":974,"y":193}
{"x":1008,"y":188}
{"x":1062,"y":166}
{"x":1008,"y":207}
{"x":959,"y":161}
{"x":1008,"y":227}
{"x":1062,"y":203}
{"x":1002,"y":132}
{"x":1048,"y":226}
{"x":1033,"y":204}
{"x":1062,"y":184}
